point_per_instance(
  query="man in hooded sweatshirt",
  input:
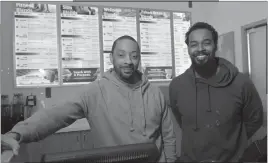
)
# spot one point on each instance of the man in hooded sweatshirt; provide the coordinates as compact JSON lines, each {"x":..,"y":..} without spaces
{"x":121,"y":108}
{"x":217,"y":107}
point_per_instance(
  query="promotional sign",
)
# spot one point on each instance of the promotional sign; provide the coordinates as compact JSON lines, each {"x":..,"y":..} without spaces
{"x":116,"y":22}
{"x":156,"y":51}
{"x":181,"y":23}
{"x":158,"y":73}
{"x":35,"y":44}
{"x":37,"y":77}
{"x":80,"y":75}
{"x":79,"y":42}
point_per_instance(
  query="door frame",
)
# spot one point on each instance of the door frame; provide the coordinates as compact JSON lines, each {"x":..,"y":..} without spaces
{"x":244,"y":42}
{"x":245,"y":58}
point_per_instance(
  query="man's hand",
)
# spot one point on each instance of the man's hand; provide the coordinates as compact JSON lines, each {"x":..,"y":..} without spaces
{"x":9,"y":141}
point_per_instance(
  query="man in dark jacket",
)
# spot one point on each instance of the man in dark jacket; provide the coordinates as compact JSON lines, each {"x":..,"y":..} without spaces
{"x":217,"y":107}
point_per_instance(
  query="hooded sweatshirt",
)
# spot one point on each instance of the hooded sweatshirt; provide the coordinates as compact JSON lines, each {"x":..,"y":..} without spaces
{"x":118,"y":114}
{"x":217,"y":115}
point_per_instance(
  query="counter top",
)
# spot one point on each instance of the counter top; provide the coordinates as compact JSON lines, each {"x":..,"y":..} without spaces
{"x":79,"y":125}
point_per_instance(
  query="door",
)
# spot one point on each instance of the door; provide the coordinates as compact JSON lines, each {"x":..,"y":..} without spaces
{"x":257,"y":55}
{"x":257,"y":45}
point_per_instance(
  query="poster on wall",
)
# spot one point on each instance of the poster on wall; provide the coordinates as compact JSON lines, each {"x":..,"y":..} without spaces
{"x":156,"y":50}
{"x":181,"y":24}
{"x":35,"y":45}
{"x":79,"y":75}
{"x":116,"y":22}
{"x":226,"y":47}
{"x":80,"y":44}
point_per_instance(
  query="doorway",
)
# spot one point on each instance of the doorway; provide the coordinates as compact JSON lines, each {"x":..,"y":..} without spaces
{"x":254,"y":44}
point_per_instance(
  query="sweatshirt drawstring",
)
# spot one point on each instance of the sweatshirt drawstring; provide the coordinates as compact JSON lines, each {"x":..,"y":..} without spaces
{"x":130,"y":116}
{"x":209,"y":104}
{"x":130,"y":112}
{"x":196,"y":124}
{"x":144,"y":116}
{"x":196,"y":98}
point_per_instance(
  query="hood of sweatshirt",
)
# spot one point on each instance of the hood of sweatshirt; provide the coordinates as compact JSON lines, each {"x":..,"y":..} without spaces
{"x":225,"y":76}
{"x":141,"y":87}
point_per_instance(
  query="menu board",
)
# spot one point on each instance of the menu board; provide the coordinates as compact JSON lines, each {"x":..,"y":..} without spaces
{"x":80,"y":44}
{"x":181,"y":23}
{"x":35,"y":45}
{"x":156,"y":51}
{"x":116,"y":22}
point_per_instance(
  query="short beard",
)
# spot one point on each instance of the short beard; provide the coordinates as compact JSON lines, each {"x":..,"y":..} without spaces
{"x":202,"y":66}
{"x":207,"y":69}
{"x":131,"y":80}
